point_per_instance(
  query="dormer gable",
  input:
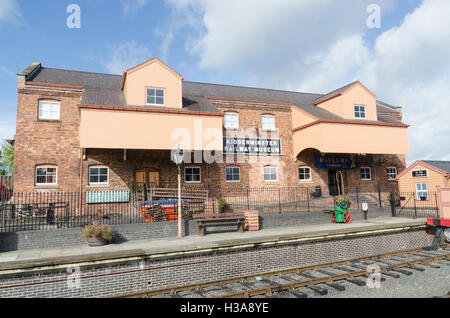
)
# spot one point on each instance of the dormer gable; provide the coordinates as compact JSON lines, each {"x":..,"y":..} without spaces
{"x":354,"y":101}
{"x":153,"y":83}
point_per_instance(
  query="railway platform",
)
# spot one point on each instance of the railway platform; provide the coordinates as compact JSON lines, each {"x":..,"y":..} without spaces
{"x":154,"y":249}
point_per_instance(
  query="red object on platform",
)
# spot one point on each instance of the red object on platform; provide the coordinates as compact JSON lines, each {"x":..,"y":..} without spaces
{"x":438,"y":222}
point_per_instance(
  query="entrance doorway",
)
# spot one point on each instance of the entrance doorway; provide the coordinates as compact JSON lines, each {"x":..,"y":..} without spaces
{"x":147,"y":178}
{"x":334,"y":183}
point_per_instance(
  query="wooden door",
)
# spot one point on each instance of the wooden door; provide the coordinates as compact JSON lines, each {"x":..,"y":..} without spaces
{"x":153,"y":179}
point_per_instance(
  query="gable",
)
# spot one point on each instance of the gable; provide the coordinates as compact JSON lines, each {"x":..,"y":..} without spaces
{"x":342,"y":103}
{"x":152,"y":74}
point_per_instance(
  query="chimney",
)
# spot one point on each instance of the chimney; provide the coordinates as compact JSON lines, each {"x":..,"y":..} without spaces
{"x":27,"y":74}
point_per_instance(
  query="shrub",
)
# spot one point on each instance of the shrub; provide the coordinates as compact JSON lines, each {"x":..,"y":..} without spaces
{"x":98,"y":231}
{"x":344,"y":199}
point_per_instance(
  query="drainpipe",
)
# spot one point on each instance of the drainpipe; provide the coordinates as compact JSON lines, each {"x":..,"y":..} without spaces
{"x":81,"y":181}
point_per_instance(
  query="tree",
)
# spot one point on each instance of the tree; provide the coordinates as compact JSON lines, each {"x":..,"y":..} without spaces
{"x":7,"y":158}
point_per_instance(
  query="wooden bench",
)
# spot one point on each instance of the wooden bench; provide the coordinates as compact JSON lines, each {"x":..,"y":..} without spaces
{"x":204,"y":221}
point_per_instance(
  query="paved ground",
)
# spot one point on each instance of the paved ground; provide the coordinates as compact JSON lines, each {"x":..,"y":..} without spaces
{"x":50,"y":256}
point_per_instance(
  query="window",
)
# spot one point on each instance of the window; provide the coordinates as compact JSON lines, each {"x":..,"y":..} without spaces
{"x":231,"y":121}
{"x":366,"y":174}
{"x":46,"y":175}
{"x":270,"y":174}
{"x":391,"y":173}
{"x":192,"y":175}
{"x":360,"y":112}
{"x":422,"y":191}
{"x":49,"y":110}
{"x":155,"y":96}
{"x":268,"y":122}
{"x":98,"y":175}
{"x":304,"y":174}
{"x":233,"y":174}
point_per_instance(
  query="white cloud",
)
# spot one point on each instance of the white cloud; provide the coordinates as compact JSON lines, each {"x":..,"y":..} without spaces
{"x":130,"y":7}
{"x":9,"y":10}
{"x":320,"y":45}
{"x":410,"y":67}
{"x":125,"y":56}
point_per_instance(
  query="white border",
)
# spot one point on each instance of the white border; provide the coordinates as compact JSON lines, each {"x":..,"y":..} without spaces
{"x":396,"y":173}
{"x":232,"y":181}
{"x":45,"y":184}
{"x":276,"y":174}
{"x":192,"y":182}
{"x":97,"y":183}
{"x":310,"y":174}
{"x":370,"y":173}
{"x":49,"y":102}
{"x":146,"y":95}
{"x":420,"y":176}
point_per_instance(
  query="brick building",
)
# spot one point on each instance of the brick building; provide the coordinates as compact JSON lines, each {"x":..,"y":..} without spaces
{"x":79,"y":131}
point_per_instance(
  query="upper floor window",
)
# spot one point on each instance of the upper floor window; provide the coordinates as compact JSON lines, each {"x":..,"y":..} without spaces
{"x":49,"y":110}
{"x":270,"y":174}
{"x":360,"y":111}
{"x":231,"y":120}
{"x":155,"y":96}
{"x":268,"y":122}
{"x":98,"y":175}
{"x":391,"y":173}
{"x":46,"y":175}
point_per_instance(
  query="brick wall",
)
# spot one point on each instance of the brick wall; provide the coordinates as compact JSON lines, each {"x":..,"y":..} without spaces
{"x":40,"y":142}
{"x":118,"y":278}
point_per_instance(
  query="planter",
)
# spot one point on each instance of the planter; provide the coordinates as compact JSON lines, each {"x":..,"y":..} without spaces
{"x":96,"y":242}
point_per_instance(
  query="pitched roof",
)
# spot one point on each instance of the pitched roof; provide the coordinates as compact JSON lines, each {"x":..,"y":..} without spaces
{"x":441,"y":165}
{"x":105,"y":89}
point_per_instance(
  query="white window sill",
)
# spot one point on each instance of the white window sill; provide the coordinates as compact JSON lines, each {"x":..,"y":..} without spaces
{"x":99,"y":186}
{"x":46,"y":187}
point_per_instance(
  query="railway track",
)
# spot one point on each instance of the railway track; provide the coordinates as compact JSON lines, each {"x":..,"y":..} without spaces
{"x":317,"y":278}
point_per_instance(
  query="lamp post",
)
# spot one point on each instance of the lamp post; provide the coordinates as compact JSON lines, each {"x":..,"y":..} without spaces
{"x":177,"y":157}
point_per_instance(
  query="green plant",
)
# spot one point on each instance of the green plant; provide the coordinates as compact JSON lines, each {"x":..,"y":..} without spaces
{"x":7,"y":158}
{"x":223,"y":202}
{"x":98,"y":231}
{"x":344,"y":199}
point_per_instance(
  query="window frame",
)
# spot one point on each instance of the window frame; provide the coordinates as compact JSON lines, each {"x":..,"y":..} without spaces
{"x":156,"y":96}
{"x":276,"y":173}
{"x":36,"y":183}
{"x":417,"y":191}
{"x":387,"y":172}
{"x":370,"y":173}
{"x":98,"y":183}
{"x":310,"y":174}
{"x":232,"y":181}
{"x":200,"y":174}
{"x":357,"y":110}
{"x":225,"y":121}
{"x":52,"y":102}
{"x":262,"y":122}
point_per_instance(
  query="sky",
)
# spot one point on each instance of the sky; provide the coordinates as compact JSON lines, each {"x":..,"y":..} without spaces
{"x":312,"y":46}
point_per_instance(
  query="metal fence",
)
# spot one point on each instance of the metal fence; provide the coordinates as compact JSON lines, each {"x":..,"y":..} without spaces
{"x":412,"y":204}
{"x":53,"y":210}
{"x":6,"y":188}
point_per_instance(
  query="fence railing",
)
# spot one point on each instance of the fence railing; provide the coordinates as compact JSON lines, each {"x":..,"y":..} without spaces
{"x":413,"y":204}
{"x":53,"y":210}
{"x":6,"y":188}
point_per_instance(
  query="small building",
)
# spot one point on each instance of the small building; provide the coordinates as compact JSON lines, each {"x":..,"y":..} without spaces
{"x":422,"y":178}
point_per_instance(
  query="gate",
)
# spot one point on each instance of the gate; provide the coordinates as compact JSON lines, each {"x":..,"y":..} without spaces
{"x":413,"y":204}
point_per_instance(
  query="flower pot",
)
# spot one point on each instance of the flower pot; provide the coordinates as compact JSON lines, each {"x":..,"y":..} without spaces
{"x":93,"y":241}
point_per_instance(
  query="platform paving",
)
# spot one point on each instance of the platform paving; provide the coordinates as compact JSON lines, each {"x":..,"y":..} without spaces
{"x":167,"y":247}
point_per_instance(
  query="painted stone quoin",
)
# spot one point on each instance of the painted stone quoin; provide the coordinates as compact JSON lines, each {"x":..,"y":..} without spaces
{"x":81,"y":131}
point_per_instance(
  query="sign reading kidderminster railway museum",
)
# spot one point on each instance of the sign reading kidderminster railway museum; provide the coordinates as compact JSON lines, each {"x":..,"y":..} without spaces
{"x":251,"y":146}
